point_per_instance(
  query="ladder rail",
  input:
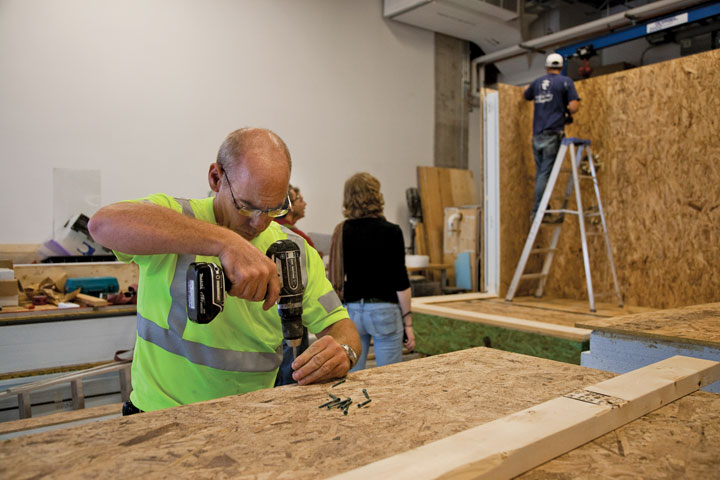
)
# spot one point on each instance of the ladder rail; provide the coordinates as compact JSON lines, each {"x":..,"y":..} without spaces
{"x":547,"y":263}
{"x":605,"y":230}
{"x":581,"y":223}
{"x":536,"y":222}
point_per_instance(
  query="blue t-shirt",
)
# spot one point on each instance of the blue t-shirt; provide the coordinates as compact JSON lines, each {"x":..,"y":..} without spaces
{"x":551,"y":94}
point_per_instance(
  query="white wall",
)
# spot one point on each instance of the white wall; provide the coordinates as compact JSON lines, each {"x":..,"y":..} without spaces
{"x":146,"y":90}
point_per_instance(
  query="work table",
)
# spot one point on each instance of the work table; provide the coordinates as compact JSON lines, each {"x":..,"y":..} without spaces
{"x":281,"y":432}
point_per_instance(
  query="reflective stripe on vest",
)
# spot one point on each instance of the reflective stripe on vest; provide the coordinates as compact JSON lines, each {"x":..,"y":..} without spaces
{"x":171,"y":339}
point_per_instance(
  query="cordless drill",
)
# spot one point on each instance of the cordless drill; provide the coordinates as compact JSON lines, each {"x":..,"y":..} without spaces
{"x":207,"y":285}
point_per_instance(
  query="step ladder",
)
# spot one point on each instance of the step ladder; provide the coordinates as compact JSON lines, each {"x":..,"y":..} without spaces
{"x":576,"y":157}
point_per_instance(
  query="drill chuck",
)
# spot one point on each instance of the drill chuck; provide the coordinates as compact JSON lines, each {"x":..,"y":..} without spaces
{"x":286,"y":255}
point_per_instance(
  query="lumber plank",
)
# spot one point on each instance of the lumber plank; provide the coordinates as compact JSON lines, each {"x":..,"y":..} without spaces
{"x":515,"y":444}
{"x":451,"y":298}
{"x":562,"y":331}
{"x":90,"y":300}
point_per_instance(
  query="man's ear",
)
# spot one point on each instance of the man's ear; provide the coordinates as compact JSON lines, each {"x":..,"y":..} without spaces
{"x":215,"y":177}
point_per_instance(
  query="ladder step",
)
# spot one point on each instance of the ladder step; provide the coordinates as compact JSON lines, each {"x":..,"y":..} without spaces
{"x":533,"y":275}
{"x":562,"y":210}
{"x":543,"y":250}
{"x":580,"y":176}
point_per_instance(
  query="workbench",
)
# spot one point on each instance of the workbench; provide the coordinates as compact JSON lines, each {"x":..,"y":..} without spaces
{"x":621,"y":344}
{"x":282,"y":434}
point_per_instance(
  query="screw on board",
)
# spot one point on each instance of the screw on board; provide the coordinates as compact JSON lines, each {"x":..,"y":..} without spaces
{"x":342,"y":380}
{"x":360,"y":405}
{"x":329,"y":404}
{"x":366,"y":394}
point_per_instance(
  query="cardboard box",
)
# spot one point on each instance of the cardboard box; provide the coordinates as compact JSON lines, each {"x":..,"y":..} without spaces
{"x":8,"y":288}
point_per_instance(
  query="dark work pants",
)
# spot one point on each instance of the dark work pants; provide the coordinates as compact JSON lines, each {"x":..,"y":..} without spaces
{"x":284,"y":376}
{"x":545,"y":149}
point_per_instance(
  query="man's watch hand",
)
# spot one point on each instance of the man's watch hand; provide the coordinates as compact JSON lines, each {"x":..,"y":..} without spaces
{"x":352,"y":356}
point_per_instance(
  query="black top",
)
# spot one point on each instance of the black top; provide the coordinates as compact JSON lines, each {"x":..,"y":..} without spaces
{"x":374,"y":256}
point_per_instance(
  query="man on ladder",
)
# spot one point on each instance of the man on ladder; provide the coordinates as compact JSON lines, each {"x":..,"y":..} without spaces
{"x":555,"y":100}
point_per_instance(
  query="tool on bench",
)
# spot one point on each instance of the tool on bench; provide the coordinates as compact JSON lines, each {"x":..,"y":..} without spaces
{"x":93,"y":285}
{"x":207,"y":285}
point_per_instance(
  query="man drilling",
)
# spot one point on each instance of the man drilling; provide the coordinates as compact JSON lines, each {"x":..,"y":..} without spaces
{"x":178,"y":362}
{"x":555,"y":100}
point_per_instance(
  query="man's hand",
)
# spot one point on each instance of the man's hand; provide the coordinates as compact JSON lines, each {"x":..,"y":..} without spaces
{"x":326,"y":359}
{"x":252,"y":273}
{"x":323,"y":360}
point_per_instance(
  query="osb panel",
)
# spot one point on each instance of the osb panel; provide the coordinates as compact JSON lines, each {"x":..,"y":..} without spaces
{"x":280,"y":433}
{"x":699,"y":325}
{"x":655,"y":131}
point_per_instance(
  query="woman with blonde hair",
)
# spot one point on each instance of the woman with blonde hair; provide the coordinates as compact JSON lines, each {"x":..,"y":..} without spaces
{"x":367,"y":268}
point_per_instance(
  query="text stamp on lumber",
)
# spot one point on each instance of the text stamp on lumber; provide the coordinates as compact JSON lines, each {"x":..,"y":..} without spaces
{"x":519,"y":442}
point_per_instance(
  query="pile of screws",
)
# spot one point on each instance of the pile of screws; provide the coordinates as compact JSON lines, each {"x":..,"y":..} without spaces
{"x":344,"y":405}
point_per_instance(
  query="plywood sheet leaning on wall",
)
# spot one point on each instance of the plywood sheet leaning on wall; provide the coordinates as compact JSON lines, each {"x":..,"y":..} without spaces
{"x":440,"y":188}
{"x":654,"y":130}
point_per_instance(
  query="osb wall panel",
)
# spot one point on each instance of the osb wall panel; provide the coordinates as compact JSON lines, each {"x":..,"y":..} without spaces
{"x":655,"y":131}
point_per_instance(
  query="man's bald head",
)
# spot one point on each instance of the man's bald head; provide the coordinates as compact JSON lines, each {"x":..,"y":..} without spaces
{"x":252,"y":142}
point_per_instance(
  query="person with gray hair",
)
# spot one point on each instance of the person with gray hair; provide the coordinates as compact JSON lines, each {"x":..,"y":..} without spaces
{"x":177,"y":361}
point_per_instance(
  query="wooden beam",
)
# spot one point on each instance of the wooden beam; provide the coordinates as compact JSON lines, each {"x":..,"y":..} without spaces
{"x":24,"y":405}
{"x":571,"y":333}
{"x":452,"y":298}
{"x":78,"y":397}
{"x":512,"y":445}
{"x":90,"y":300}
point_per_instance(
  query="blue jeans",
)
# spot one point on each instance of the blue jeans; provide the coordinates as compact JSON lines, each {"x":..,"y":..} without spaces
{"x":382,"y":322}
{"x":545,"y":149}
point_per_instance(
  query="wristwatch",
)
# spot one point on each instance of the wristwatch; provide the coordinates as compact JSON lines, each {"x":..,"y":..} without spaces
{"x":352,"y":356}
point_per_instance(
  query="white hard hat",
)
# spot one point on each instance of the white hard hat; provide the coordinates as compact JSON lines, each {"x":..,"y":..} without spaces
{"x":554,"y":60}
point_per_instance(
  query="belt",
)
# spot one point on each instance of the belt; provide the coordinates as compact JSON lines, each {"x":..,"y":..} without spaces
{"x":373,"y":300}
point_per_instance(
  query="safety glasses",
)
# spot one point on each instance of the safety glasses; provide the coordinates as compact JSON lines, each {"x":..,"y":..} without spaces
{"x":256,"y":212}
